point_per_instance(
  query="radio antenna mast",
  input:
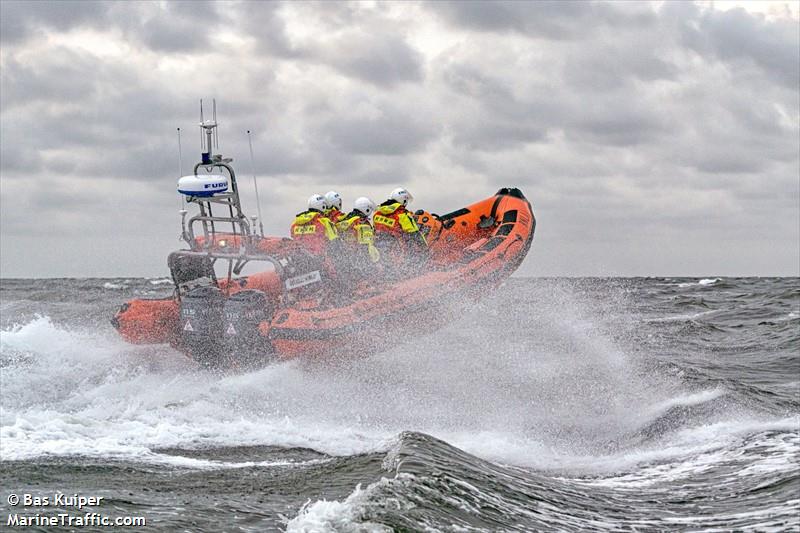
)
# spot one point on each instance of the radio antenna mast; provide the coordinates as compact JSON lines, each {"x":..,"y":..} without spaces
{"x":180,"y":155}
{"x":202,"y":120}
{"x":180,"y":168}
{"x":183,"y":200}
{"x":216,"y":130}
{"x":255,"y":184}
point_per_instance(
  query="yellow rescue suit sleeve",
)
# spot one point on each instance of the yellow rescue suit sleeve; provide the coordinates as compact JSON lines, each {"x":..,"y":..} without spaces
{"x":409,"y":225}
{"x":330,"y":228}
{"x":366,"y":236}
{"x":374,"y":254}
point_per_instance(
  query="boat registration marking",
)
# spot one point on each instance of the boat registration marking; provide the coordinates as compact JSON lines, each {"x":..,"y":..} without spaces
{"x":303,"y":280}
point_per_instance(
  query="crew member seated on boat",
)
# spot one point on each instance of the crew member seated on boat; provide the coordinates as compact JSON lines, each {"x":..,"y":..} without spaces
{"x":355,"y":230}
{"x":312,"y":228}
{"x":333,"y":206}
{"x":397,"y":236}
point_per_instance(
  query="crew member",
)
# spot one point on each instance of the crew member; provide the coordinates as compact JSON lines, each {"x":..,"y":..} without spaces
{"x":397,"y":235}
{"x":333,"y":206}
{"x":312,"y":228}
{"x":356,"y":231}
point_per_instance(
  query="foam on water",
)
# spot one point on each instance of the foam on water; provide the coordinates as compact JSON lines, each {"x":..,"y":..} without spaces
{"x":82,"y":393}
{"x":78,"y":392}
{"x":684,"y":317}
{"x":702,"y":282}
{"x":555,"y":386}
{"x":706,"y":446}
{"x":750,"y":449}
{"x":334,"y":516}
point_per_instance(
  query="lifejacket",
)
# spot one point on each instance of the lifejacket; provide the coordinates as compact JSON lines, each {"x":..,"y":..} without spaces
{"x":314,"y":230}
{"x":392,"y":218}
{"x":334,"y":215}
{"x":356,"y":230}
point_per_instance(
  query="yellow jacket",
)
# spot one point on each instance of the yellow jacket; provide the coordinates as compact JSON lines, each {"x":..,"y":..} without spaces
{"x":356,"y":229}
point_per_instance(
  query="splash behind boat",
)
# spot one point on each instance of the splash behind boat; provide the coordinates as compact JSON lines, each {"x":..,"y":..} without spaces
{"x":292,"y":308}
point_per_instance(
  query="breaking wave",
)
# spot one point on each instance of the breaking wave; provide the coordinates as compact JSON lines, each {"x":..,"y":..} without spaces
{"x":575,"y":421}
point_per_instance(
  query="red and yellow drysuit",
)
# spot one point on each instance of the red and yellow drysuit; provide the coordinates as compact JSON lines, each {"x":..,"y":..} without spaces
{"x":314,"y":231}
{"x":397,"y":232}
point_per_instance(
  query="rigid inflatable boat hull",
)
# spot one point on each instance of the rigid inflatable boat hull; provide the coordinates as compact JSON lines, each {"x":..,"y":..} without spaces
{"x":472,"y":250}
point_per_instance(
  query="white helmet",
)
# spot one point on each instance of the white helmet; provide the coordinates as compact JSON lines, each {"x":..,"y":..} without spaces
{"x":402,"y":196}
{"x":316,"y":201}
{"x":365,"y":205}
{"x":333,"y":199}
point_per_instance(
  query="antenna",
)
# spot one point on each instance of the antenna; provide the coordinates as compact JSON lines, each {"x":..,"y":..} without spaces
{"x":216,"y":130}
{"x":202,"y":119}
{"x":180,"y":155}
{"x":210,"y":133}
{"x":180,"y":167}
{"x":255,"y":184}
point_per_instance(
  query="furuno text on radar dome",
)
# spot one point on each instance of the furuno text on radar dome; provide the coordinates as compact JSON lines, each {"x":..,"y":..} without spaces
{"x":203,"y":186}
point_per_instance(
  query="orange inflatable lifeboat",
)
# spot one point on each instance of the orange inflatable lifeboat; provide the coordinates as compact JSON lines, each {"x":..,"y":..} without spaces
{"x":294,"y":307}
{"x":253,"y":320}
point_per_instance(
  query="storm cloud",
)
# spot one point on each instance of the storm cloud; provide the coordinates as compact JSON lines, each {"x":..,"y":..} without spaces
{"x":658,"y":138}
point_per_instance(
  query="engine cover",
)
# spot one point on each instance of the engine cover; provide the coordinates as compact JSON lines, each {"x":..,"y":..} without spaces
{"x":243,"y":312}
{"x":201,"y":324}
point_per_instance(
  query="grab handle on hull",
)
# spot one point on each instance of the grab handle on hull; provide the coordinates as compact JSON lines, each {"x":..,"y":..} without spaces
{"x":486,"y":222}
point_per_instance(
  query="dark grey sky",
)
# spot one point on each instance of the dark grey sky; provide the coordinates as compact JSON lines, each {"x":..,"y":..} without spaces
{"x":651,"y":138}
